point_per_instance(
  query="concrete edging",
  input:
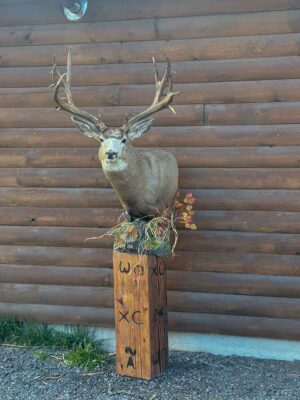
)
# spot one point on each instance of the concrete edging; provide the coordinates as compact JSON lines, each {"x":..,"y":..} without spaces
{"x":223,"y":345}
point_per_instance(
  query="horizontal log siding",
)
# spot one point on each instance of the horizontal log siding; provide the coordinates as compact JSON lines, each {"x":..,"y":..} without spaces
{"x":236,"y":136}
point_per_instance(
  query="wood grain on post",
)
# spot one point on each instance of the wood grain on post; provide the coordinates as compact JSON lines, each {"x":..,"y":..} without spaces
{"x":140,"y":315}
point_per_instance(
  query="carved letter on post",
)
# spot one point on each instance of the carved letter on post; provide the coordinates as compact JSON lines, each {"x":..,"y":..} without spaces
{"x":140,"y":315}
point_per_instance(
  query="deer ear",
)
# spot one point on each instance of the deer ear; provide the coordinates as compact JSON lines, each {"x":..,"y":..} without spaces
{"x":87,"y":128}
{"x":139,"y":128}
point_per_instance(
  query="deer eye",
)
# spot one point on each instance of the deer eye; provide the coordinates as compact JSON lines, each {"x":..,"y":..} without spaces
{"x":101,"y":140}
{"x":124,"y":140}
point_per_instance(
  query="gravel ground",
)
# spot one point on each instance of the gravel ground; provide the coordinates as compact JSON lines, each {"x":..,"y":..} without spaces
{"x":190,"y":376}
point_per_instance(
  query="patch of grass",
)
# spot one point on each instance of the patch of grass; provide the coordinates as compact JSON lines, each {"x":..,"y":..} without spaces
{"x":77,"y":343}
{"x":41,"y":355}
{"x":86,"y":356}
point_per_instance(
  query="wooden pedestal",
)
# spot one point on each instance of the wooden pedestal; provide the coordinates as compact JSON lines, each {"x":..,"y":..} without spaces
{"x":140,"y":294}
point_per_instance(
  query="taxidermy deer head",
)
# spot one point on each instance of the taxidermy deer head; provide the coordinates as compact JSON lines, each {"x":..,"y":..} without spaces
{"x":145,"y":181}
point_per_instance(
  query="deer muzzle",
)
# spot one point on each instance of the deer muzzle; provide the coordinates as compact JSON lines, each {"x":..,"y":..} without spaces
{"x":111,"y":155}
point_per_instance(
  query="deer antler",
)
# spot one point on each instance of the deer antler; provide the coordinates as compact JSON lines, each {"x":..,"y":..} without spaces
{"x":63,"y":81}
{"x":161,"y":100}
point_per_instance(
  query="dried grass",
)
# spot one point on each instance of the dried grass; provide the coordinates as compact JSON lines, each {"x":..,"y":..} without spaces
{"x":149,"y":237}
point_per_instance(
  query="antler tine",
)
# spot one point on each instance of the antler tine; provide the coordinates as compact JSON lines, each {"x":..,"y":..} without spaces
{"x":69,"y":71}
{"x":159,"y":84}
{"x":161,"y":100}
{"x":126,"y":119}
{"x":170,"y":83}
{"x":54,"y":71}
{"x":64,"y":81}
{"x":156,"y":75}
{"x":169,"y":75}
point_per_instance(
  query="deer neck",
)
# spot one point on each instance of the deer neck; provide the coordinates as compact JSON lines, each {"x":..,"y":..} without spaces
{"x":123,"y":174}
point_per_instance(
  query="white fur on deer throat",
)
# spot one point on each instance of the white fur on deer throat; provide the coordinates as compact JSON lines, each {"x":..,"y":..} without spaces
{"x":113,"y":145}
{"x":114,"y":165}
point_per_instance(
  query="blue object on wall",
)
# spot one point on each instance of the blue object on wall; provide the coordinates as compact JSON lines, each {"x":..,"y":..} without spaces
{"x":77,"y":11}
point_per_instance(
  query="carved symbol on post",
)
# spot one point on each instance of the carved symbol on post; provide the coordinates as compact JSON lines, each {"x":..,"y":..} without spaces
{"x":158,"y":312}
{"x":133,"y":318}
{"x":139,"y":268}
{"x":160,"y":355}
{"x":161,"y":268}
{"x":124,"y":270}
{"x":158,"y":269}
{"x":132,"y":353}
{"x":123,"y":316}
{"x":154,"y":270}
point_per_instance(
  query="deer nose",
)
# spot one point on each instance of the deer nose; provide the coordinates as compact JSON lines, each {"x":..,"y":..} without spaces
{"x":111,"y":155}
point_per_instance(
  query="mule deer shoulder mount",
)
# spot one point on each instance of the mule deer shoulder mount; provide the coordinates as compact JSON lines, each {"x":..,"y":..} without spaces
{"x":145,"y":181}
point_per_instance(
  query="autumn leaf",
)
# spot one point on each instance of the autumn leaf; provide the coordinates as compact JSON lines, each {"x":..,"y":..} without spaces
{"x":188,"y":219}
{"x":191,"y":200}
{"x":178,"y":204}
{"x":159,"y":231}
{"x":185,"y":210}
{"x":131,"y":228}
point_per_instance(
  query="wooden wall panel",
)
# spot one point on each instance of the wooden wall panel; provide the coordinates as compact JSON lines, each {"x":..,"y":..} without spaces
{"x":141,"y":51}
{"x":228,"y":241}
{"x":242,"y":221}
{"x":141,"y":95}
{"x":31,"y":13}
{"x":191,"y":178}
{"x":208,"y":199}
{"x":114,"y":116}
{"x":94,"y":296}
{"x":246,"y":263}
{"x":196,"y":322}
{"x":186,"y":72}
{"x":235,"y":135}
{"x":176,"y":136}
{"x":188,"y":157}
{"x":150,"y":29}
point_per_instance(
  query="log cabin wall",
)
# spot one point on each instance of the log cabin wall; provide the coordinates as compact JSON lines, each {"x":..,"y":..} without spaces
{"x":236,"y":136}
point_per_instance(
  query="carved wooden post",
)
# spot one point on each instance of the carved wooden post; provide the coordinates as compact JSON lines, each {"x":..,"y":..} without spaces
{"x":140,"y":315}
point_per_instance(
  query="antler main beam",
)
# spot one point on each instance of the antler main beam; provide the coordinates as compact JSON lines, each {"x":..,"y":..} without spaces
{"x":161,"y":99}
{"x":66,"y":103}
